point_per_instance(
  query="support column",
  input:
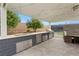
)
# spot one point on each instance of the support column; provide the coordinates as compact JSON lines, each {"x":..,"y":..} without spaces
{"x":0,"y":20}
{"x":3,"y":21}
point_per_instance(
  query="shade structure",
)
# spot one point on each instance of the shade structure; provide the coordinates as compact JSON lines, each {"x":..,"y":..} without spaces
{"x":48,"y":11}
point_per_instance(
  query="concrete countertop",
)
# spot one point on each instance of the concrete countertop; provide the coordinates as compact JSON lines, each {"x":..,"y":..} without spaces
{"x":22,"y":34}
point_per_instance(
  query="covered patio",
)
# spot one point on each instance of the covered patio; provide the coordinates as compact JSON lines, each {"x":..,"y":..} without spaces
{"x":45,"y":43}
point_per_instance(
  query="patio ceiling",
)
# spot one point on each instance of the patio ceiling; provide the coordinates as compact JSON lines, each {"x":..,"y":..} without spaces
{"x":49,"y":11}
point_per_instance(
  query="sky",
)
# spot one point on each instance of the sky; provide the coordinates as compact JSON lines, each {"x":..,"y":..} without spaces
{"x":25,"y":18}
{"x":66,"y":22}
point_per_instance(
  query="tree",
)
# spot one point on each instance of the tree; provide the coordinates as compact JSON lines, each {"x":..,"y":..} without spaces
{"x":12,"y":19}
{"x":34,"y":24}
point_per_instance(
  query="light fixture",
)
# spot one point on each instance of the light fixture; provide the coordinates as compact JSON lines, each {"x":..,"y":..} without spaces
{"x":75,"y":7}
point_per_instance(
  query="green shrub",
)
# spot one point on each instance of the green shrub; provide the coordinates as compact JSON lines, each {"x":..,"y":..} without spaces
{"x":34,"y":24}
{"x":12,"y":19}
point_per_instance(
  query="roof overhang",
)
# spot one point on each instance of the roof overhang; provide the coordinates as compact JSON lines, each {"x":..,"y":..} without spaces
{"x":49,"y":11}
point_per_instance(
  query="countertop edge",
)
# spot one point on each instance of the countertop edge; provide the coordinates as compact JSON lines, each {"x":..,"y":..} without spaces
{"x":21,"y":35}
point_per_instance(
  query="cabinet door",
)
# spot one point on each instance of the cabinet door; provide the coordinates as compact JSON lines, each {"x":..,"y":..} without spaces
{"x":50,"y":35}
{"x":38,"y":38}
{"x":27,"y":43}
{"x":44,"y":37}
{"x":19,"y":46}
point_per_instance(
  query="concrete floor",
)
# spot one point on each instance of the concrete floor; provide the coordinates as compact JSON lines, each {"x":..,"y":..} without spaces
{"x":53,"y":47}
